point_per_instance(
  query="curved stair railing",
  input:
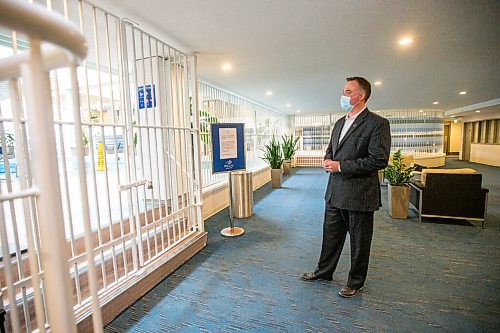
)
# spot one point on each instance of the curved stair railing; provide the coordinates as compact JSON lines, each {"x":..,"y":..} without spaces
{"x":53,"y":43}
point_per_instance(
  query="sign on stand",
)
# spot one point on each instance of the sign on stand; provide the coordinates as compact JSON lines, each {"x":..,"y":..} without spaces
{"x":228,"y":154}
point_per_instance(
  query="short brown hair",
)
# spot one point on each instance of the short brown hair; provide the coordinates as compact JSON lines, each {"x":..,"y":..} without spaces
{"x":364,"y":84}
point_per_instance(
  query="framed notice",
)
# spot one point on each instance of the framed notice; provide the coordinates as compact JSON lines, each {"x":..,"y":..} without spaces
{"x":228,"y":147}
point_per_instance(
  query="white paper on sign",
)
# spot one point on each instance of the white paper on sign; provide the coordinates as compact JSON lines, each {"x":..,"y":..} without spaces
{"x":228,"y":143}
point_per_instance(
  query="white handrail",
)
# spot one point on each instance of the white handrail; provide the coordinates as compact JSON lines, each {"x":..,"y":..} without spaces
{"x":53,"y":57}
{"x":37,"y":22}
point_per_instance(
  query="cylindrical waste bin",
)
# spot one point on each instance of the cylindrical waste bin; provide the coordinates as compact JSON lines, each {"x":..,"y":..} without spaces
{"x":242,"y":193}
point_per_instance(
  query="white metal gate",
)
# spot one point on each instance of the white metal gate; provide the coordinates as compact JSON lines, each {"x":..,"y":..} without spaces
{"x":125,"y":168}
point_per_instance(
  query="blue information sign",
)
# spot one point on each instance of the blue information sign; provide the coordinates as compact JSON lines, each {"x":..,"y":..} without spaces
{"x":146,"y":98}
{"x":228,"y":147}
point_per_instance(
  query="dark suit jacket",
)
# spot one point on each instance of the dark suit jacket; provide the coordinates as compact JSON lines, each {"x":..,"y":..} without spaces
{"x":362,"y":152}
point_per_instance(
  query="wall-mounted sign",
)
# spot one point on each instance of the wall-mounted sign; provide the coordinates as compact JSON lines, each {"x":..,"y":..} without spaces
{"x":228,"y":147}
{"x":146,"y":97}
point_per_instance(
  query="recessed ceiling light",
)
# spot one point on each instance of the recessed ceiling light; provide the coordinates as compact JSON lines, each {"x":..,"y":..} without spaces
{"x":378,"y":83}
{"x":406,"y":41}
{"x":463,"y":92}
{"x":298,"y":111}
{"x":478,"y":111}
{"x":269,"y":93}
{"x":227,"y":67}
{"x":435,"y":103}
{"x":288,"y":105}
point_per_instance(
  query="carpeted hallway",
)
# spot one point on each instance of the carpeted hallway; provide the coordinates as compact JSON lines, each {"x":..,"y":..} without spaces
{"x":434,"y":276}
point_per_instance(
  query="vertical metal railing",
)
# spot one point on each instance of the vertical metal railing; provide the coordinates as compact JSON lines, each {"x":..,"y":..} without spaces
{"x":418,"y":132}
{"x":44,"y":191}
{"x":129,"y":181}
{"x":162,"y":134}
{"x":261,"y":123}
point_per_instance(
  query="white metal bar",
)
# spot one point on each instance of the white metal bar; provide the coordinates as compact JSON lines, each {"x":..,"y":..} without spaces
{"x":13,"y":216}
{"x":154,"y":108}
{"x":25,"y":193}
{"x":129,"y":134}
{"x":123,"y":109}
{"x":92,"y":275}
{"x":9,"y":277}
{"x":115,"y":148}
{"x":164,"y":102}
{"x":49,"y":203}
{"x":158,"y":137}
{"x":141,"y":154}
{"x":35,"y":21}
{"x":92,"y":144}
{"x":198,"y":179}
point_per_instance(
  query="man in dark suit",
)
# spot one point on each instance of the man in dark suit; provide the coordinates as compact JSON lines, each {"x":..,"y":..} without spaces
{"x":359,"y":147}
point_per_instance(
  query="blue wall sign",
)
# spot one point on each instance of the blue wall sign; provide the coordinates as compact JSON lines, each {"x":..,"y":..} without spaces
{"x":228,"y":147}
{"x":146,"y":99}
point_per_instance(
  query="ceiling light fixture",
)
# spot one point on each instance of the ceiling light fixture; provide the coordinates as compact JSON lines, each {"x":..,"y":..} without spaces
{"x":420,"y":111}
{"x":453,"y":116}
{"x":269,"y":93}
{"x":288,"y":105}
{"x":378,"y":83}
{"x":478,"y":111}
{"x":435,"y":103}
{"x":227,"y":67}
{"x":463,"y":92}
{"x":298,"y":111}
{"x":406,"y":41}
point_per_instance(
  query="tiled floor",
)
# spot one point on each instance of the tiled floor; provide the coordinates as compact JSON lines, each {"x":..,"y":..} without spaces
{"x":424,"y":277}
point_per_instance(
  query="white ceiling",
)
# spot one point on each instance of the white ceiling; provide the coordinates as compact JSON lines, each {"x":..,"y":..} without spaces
{"x":303,"y":50}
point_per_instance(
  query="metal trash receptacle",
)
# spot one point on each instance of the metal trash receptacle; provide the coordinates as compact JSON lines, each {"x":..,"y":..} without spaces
{"x":242,"y":193}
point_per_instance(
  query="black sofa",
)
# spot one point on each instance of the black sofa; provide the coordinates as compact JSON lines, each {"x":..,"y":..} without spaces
{"x":453,"y":195}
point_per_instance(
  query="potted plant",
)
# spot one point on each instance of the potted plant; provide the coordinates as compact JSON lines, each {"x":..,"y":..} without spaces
{"x":289,"y":147}
{"x":398,"y":175}
{"x":9,"y":142}
{"x":85,"y":143}
{"x":273,"y":156}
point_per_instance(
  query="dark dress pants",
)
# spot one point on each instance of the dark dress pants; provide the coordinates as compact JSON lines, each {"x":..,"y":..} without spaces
{"x":336,"y":225}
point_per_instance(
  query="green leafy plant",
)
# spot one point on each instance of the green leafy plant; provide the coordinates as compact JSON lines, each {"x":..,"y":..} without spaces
{"x":205,"y":120}
{"x":272,"y":154}
{"x":398,"y":173}
{"x":85,"y":139}
{"x":9,"y":139}
{"x":135,"y":140}
{"x":289,"y":146}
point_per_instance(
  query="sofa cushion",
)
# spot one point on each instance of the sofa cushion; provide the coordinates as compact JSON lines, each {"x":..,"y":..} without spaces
{"x":427,"y":171}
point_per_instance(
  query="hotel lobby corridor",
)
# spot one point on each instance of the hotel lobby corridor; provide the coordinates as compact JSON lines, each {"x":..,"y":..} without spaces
{"x":435,"y":276}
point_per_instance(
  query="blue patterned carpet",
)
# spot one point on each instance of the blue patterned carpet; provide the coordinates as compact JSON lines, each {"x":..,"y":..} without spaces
{"x":435,"y":276}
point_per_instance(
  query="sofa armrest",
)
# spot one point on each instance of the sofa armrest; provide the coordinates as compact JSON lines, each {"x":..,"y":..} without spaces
{"x":418,"y":184}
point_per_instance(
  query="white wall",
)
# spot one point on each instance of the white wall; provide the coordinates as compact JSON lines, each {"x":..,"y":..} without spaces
{"x":485,"y":154}
{"x":455,"y":137}
{"x":481,"y":153}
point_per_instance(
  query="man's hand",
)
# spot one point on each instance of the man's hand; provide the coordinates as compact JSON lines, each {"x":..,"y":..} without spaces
{"x":331,"y":166}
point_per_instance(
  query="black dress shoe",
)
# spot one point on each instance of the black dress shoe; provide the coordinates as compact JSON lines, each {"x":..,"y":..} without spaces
{"x":348,"y":292}
{"x":313,"y":277}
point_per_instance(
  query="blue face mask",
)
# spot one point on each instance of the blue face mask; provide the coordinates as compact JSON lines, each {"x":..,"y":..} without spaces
{"x":345,"y":103}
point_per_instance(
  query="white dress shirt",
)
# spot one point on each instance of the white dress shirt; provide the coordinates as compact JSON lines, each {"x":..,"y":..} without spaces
{"x":347,"y":124}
